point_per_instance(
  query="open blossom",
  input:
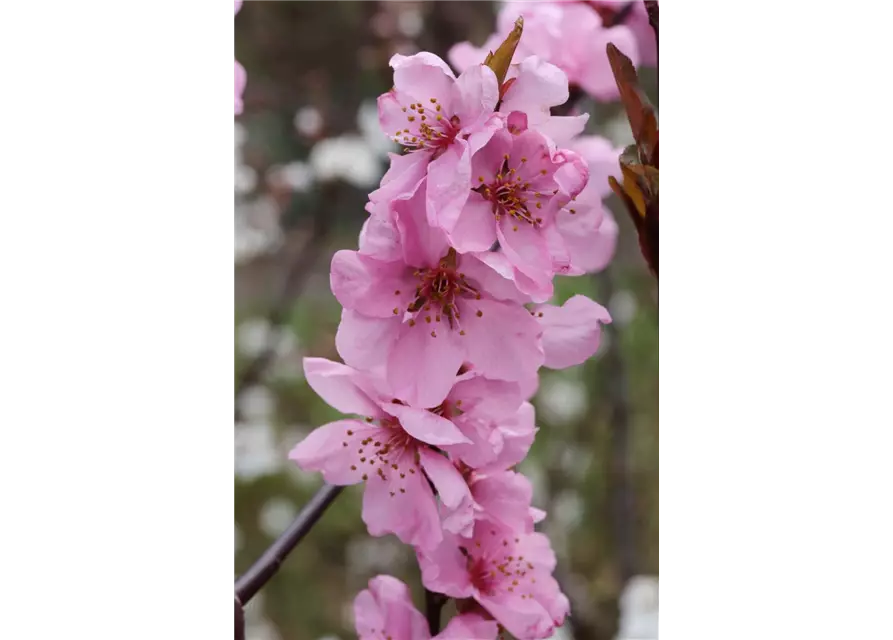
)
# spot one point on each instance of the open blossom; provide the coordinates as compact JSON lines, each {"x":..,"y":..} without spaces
{"x":429,"y":311}
{"x":440,"y":120}
{"x":509,"y":573}
{"x":519,"y":185}
{"x":385,"y":611}
{"x":572,"y":332}
{"x":394,"y":450}
{"x":569,"y":35}
{"x":239,"y":76}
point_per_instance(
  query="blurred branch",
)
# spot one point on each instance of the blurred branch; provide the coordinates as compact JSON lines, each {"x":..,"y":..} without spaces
{"x":622,"y":503}
{"x":268,"y":564}
{"x":295,"y":279}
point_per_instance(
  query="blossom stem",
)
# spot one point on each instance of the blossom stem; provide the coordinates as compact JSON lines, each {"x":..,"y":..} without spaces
{"x":268,"y":564}
{"x":433,"y":604}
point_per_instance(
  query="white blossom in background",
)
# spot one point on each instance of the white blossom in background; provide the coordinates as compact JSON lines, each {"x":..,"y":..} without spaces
{"x":297,"y":175}
{"x":245,"y":176}
{"x":623,"y":307}
{"x":410,"y":22}
{"x":257,"y":627}
{"x":368,"y":556}
{"x":639,"y":609}
{"x":348,"y":157}
{"x":561,"y":400}
{"x":308,"y":121}
{"x":257,"y":228}
{"x":256,"y":451}
{"x":276,"y":515}
{"x":252,"y":336}
{"x":257,"y":403}
{"x":561,"y":634}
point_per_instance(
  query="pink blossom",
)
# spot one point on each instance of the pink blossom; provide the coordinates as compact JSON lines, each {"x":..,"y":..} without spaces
{"x":519,"y":186}
{"x":441,"y":121}
{"x":241,"y":78}
{"x":240,"y":75}
{"x":385,"y":610}
{"x":571,"y":332}
{"x":509,"y":573}
{"x":423,"y":316}
{"x":394,"y":450}
{"x":569,"y":35}
{"x":637,"y":21}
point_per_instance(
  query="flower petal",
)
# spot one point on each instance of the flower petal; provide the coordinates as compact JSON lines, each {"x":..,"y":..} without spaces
{"x":501,"y":342}
{"x":475,"y":228}
{"x":451,"y":487}
{"x":365,"y":342}
{"x":332,"y":450}
{"x":425,"y":426}
{"x":467,"y":626}
{"x":421,"y":367}
{"x":572,"y":332}
{"x":371,"y":287}
{"x":342,"y":387}
{"x":475,"y":95}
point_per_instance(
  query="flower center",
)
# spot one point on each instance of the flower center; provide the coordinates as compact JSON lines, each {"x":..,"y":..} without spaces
{"x":511,"y":194}
{"x":427,"y":128}
{"x":437,"y":294}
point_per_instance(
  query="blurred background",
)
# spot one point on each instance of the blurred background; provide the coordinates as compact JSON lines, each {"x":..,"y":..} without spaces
{"x":307,"y":151}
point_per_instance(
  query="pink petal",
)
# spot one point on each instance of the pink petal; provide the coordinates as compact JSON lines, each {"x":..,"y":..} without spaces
{"x":525,"y":619}
{"x":487,"y":162}
{"x":402,"y":180}
{"x":342,"y":387}
{"x":386,"y":608}
{"x":572,"y":332}
{"x":451,"y":487}
{"x":596,"y":77}
{"x":475,"y":228}
{"x":365,"y":342}
{"x":538,"y":86}
{"x":527,"y":250}
{"x":241,"y":78}
{"x":380,"y":239}
{"x":490,"y":272}
{"x":372,"y":287}
{"x":422,"y":367}
{"x":425,"y":426}
{"x":502,"y":342}
{"x":505,"y":499}
{"x":410,"y":514}
{"x":444,"y":568}
{"x":603,"y":160}
{"x":475,"y":95}
{"x":424,"y":76}
{"x":517,"y":434}
{"x":487,"y":399}
{"x":238,"y":5}
{"x":562,"y":129}
{"x":423,"y":245}
{"x":449,"y":180}
{"x":330,"y":450}
{"x":469,"y":626}
{"x":485,"y":442}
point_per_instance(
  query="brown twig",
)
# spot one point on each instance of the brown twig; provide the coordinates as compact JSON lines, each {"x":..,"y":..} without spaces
{"x":433,"y":604}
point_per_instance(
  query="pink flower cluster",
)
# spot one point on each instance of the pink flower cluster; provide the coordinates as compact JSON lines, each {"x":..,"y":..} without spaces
{"x":445,"y":325}
{"x":570,"y":35}
{"x":240,"y":74}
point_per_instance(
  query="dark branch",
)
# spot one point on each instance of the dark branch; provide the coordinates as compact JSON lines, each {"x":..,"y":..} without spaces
{"x":433,"y":604}
{"x":268,"y":564}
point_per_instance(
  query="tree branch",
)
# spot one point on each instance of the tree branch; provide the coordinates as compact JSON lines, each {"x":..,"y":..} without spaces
{"x":268,"y":564}
{"x":433,"y":604}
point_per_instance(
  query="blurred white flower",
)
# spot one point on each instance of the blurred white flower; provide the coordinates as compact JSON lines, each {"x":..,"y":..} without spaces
{"x":257,"y":403}
{"x":561,"y":634}
{"x":410,"y":22}
{"x":561,"y":400}
{"x":297,"y":175}
{"x":348,"y":157}
{"x":623,"y":307}
{"x":639,"y":609}
{"x":245,"y":180}
{"x":256,"y":453}
{"x":252,"y":336}
{"x":276,"y":515}
{"x":308,"y":121}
